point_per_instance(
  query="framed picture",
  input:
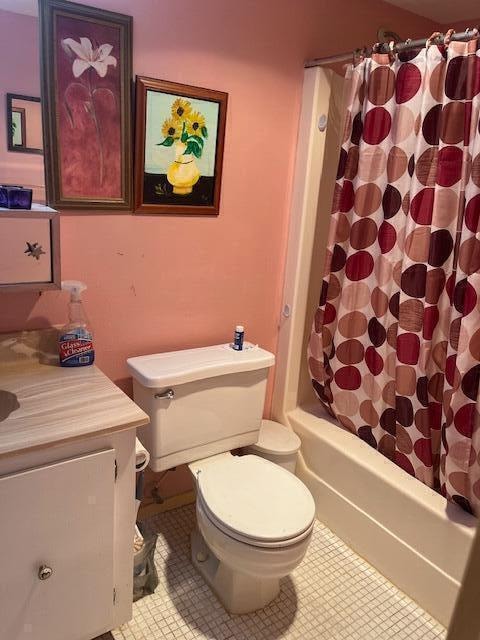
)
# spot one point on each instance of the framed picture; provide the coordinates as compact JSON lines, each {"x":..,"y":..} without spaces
{"x":86,"y":98}
{"x":179,"y":140}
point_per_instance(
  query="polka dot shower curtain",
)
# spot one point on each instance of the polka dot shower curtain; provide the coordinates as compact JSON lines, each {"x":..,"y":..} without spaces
{"x":394,"y":353}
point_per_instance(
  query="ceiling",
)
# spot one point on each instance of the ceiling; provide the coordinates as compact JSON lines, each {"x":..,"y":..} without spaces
{"x":442,"y":11}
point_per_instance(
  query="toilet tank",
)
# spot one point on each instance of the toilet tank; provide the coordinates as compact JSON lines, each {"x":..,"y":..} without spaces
{"x":200,"y":401}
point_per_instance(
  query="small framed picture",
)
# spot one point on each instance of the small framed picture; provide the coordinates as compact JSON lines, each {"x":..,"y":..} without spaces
{"x":179,"y":143}
{"x":86,"y":100}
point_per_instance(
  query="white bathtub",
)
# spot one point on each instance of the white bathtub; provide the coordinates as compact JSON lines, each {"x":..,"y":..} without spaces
{"x":399,"y":525}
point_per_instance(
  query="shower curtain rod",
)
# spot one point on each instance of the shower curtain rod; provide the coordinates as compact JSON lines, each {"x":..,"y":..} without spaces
{"x":384,"y":47}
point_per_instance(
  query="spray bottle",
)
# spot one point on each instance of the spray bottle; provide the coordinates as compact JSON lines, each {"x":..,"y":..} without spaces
{"x":75,"y":343}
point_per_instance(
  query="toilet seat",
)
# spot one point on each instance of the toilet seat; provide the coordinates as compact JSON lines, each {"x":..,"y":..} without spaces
{"x":254,"y":501}
{"x":250,"y":541}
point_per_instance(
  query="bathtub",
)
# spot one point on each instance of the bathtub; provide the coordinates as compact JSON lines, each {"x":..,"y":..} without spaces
{"x":403,"y":528}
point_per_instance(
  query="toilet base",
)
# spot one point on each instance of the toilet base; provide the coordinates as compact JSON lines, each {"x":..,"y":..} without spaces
{"x":238,"y":592}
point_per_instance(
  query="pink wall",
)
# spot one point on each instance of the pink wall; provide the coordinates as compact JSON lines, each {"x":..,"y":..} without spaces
{"x":163,"y":282}
{"x":461,"y":26}
{"x":19,"y":74}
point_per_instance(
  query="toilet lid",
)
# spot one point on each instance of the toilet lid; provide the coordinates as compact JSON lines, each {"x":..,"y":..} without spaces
{"x":255,"y":499}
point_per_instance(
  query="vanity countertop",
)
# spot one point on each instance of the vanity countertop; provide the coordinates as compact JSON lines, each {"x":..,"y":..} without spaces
{"x":43,"y":404}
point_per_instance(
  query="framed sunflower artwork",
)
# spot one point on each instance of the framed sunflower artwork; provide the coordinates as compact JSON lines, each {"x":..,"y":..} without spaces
{"x":179,"y":142}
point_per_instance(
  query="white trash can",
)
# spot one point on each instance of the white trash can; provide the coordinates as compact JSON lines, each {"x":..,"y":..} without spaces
{"x":277,"y":444}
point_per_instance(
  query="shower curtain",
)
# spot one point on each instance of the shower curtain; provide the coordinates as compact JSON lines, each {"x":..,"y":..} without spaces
{"x":394,"y":352}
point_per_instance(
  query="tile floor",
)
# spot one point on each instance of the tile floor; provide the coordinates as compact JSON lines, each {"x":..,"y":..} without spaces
{"x":333,"y":595}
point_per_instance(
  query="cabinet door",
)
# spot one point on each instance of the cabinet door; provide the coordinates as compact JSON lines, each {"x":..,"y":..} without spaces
{"x":29,"y":250}
{"x":18,"y":264}
{"x":60,"y":517}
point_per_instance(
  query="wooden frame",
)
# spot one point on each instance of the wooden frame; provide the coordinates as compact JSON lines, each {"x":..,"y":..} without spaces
{"x":10,"y":109}
{"x":65,"y":189}
{"x":43,"y":213}
{"x":161,"y":195}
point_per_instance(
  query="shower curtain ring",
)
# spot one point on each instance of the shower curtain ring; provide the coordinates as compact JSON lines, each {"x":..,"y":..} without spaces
{"x":473,"y":32}
{"x":448,"y":36}
{"x":431,"y":40}
{"x":358,"y":55}
{"x":391,"y":53}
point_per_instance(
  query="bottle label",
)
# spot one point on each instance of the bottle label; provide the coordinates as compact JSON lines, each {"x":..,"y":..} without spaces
{"x":238,"y":340}
{"x":76,"y":349}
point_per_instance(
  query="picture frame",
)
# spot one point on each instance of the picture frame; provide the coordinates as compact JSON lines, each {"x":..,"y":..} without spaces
{"x":86,"y":61}
{"x":179,"y":143}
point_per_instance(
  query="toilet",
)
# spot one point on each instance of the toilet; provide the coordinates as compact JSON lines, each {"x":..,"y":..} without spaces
{"x":254,"y":518}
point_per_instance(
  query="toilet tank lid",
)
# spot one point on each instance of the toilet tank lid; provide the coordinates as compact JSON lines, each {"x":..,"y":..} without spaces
{"x":178,"y":367}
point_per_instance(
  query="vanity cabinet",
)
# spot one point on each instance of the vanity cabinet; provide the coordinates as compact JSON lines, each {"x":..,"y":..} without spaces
{"x":57,"y":549}
{"x":67,"y":495}
{"x":67,"y":515}
{"x":29,"y":249}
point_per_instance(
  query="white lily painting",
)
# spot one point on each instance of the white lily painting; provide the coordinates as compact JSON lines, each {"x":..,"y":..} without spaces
{"x":90,"y":63}
{"x":88,"y":57}
{"x":87,"y":75}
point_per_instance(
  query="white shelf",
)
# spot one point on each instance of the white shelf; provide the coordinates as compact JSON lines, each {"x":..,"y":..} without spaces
{"x":36,"y":208}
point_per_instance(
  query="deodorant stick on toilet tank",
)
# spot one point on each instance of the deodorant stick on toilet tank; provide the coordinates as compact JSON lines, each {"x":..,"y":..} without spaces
{"x":75,"y":342}
{"x":238,"y":338}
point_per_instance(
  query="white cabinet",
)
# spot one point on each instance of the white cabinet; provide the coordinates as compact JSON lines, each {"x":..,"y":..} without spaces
{"x":57,"y":523}
{"x":29,"y":249}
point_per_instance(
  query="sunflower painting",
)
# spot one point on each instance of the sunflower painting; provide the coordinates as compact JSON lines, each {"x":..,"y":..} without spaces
{"x":179,"y":148}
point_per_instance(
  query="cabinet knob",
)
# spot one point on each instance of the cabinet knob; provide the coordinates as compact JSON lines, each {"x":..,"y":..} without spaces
{"x":44,"y":572}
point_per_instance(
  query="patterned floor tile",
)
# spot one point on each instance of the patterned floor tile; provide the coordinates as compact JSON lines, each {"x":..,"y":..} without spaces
{"x":333,"y":595}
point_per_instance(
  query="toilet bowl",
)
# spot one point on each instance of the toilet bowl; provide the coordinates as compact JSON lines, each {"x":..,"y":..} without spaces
{"x":255,"y":522}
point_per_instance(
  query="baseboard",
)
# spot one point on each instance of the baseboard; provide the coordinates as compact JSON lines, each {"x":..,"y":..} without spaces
{"x":173,"y":502}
